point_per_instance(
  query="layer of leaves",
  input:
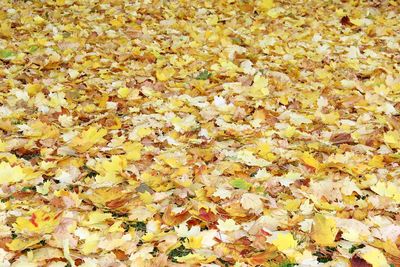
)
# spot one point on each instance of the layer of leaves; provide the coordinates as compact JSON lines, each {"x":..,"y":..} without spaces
{"x":170,"y":133}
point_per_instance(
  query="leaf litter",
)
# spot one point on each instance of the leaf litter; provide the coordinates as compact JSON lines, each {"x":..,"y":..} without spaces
{"x":199,"y":133}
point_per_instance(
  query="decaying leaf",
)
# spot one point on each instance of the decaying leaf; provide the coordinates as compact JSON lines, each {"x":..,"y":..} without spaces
{"x":199,"y":133}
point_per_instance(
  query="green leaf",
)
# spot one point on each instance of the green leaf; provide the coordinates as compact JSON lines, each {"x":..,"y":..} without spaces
{"x":287,"y":265}
{"x":140,"y":226}
{"x":237,"y":41}
{"x":28,"y":188}
{"x":240,"y":184}
{"x":5,"y":54}
{"x":321,"y":257}
{"x":355,"y":247}
{"x":204,"y":75}
{"x":324,"y":259}
{"x":178,"y":252}
{"x":33,"y":48}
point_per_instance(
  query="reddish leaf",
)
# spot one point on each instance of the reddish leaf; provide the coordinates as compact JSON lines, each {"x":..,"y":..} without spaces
{"x":345,"y":21}
{"x":358,"y":262}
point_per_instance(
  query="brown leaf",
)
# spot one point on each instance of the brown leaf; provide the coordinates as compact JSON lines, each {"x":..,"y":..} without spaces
{"x":120,"y":255}
{"x":117,"y":203}
{"x":358,"y":262}
{"x":342,"y":138}
{"x":174,"y":219}
{"x":4,"y":241}
{"x":345,"y":21}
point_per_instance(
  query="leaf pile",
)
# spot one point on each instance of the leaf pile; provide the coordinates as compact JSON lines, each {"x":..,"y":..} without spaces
{"x":199,"y":133}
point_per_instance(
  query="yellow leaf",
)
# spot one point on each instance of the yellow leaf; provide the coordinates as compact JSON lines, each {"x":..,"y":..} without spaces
{"x":110,"y":170}
{"x":330,"y":118}
{"x":389,"y":246}
{"x":40,"y":222}
{"x":148,"y":237}
{"x":3,"y":146}
{"x":33,"y":89}
{"x":194,"y":242}
{"x":154,"y":181}
{"x":326,"y":206}
{"x":165,"y":74}
{"x":116,"y":227}
{"x":374,"y":256}
{"x":116,"y":23}
{"x":116,"y":164}
{"x":10,"y":174}
{"x":377,"y":161}
{"x":266,"y":5}
{"x":38,"y":19}
{"x":101,"y":196}
{"x":5,"y":29}
{"x":274,"y":13}
{"x":324,"y":230}
{"x":227,"y":225}
{"x":309,"y":160}
{"x":392,"y":139}
{"x":264,"y":150}
{"x":289,"y":131}
{"x":88,"y":138}
{"x":146,"y":197}
{"x":96,"y":217}
{"x":387,"y":189}
{"x":123,"y":92}
{"x":44,"y":189}
{"x":292,"y":204}
{"x":21,"y":244}
{"x":109,"y":179}
{"x":90,"y":245}
{"x":133,"y":150}
{"x":143,"y":131}
{"x":195,"y":259}
{"x":73,"y":73}
{"x":259,"y":89}
{"x":284,"y":241}
{"x":171,"y":160}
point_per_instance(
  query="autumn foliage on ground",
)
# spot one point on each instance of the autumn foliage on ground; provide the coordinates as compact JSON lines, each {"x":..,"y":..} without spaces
{"x":199,"y":133}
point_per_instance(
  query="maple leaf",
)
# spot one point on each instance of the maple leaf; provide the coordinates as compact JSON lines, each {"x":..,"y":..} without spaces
{"x":9,"y":174}
{"x":252,"y":202}
{"x":19,"y":244}
{"x":88,"y":139}
{"x":110,"y":170}
{"x":324,"y":230}
{"x":227,"y":225}
{"x":259,"y":89}
{"x":392,"y":138}
{"x":102,"y":197}
{"x":133,"y":150}
{"x":39,"y":222}
{"x":240,"y":184}
{"x":123,"y":92}
{"x":265,"y":5}
{"x":165,"y":74}
{"x":108,"y":112}
{"x":196,"y":258}
{"x":283,"y":241}
{"x":373,"y":256}
{"x":309,"y":160}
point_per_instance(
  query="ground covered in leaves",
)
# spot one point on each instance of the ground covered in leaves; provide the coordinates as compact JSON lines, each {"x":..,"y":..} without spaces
{"x":188,"y":133}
